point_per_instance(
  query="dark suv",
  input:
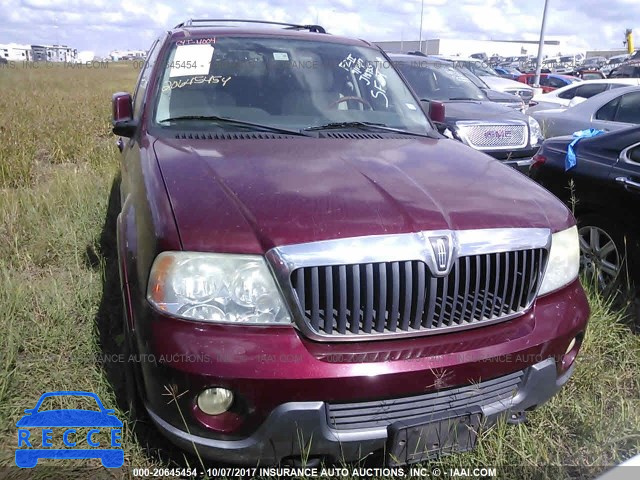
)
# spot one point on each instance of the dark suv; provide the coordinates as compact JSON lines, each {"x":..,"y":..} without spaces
{"x":310,"y":270}
{"x":470,"y":115}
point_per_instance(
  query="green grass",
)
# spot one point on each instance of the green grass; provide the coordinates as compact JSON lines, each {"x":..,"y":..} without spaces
{"x":59,"y":310}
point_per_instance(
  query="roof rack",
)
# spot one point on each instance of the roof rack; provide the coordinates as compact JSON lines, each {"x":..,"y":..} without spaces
{"x":207,"y":22}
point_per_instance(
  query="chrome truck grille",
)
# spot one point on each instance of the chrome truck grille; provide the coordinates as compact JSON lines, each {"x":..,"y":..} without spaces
{"x":492,"y":136}
{"x":437,"y":282}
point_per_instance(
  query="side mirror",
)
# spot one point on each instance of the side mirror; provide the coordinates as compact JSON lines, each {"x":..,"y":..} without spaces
{"x":434,"y":110}
{"x":122,"y":120}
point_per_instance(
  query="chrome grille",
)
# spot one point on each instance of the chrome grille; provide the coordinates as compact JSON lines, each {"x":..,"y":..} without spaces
{"x":381,"y":413}
{"x":495,"y":135}
{"x":405,"y":297}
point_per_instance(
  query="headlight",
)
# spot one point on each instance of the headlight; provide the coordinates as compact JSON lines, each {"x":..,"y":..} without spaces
{"x":564,"y":260}
{"x":213,"y":287}
{"x":535,"y":132}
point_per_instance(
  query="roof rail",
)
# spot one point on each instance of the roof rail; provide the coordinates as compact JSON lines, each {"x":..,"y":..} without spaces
{"x":417,"y":53}
{"x":207,"y":22}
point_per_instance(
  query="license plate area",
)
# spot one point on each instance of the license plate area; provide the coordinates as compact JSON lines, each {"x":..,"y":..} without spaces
{"x":424,"y":438}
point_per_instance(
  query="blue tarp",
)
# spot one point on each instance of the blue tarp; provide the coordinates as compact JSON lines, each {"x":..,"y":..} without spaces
{"x":570,"y":160}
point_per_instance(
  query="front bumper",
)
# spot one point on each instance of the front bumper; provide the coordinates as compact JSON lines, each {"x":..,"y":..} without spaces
{"x":295,"y":428}
{"x":284,"y":383}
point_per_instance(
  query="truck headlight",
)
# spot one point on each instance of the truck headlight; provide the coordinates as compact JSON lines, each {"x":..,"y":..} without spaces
{"x":214,"y":287}
{"x":535,"y":132}
{"x":564,"y":260}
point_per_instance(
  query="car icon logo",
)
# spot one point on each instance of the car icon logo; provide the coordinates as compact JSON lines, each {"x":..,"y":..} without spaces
{"x":32,"y":447}
{"x":442,"y":252}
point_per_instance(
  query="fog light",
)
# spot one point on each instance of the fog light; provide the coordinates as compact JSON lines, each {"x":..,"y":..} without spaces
{"x":214,"y":401}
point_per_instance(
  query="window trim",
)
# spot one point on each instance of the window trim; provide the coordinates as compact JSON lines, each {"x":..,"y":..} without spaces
{"x":628,"y":94}
{"x":615,"y":113}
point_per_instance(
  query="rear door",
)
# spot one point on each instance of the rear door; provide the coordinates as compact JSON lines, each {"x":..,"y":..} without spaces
{"x":625,"y":176}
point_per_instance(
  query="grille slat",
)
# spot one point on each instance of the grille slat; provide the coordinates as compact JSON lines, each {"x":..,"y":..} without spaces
{"x":315,"y":298}
{"x":328,"y":309}
{"x":532,"y":273}
{"x":476,"y":295}
{"x":382,"y":298}
{"x":355,"y":298}
{"x":513,"y":289}
{"x":368,"y":312}
{"x":381,"y":413}
{"x":395,"y":296}
{"x":342,"y":315}
{"x":421,"y":289}
{"x":456,"y":287}
{"x":406,"y":297}
{"x":465,"y":295}
{"x":504,"y":307}
{"x":408,"y":291}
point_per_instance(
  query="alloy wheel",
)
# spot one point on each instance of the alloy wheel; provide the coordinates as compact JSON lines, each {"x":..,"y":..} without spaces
{"x":599,"y":256}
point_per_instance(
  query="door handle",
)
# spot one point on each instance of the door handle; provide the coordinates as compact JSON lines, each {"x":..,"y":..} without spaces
{"x":628,"y":183}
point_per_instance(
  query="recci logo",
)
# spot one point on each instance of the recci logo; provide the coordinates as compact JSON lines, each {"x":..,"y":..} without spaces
{"x":99,"y":422}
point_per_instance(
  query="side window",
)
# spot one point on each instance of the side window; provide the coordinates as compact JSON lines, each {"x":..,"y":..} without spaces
{"x":568,"y":94}
{"x":588,"y":91}
{"x":608,"y":111}
{"x":629,"y":108}
{"x":544,"y":81}
{"x":143,"y":79}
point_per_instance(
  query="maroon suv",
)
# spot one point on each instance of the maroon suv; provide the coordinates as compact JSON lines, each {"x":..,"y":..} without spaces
{"x":310,"y":270}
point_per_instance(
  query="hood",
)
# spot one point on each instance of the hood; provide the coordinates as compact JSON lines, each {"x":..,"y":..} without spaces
{"x":477,"y":110}
{"x":249,"y":195}
{"x":499,"y":83}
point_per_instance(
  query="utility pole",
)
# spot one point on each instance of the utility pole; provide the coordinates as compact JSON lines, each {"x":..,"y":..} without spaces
{"x":536,"y":80}
{"x":421,"y":15}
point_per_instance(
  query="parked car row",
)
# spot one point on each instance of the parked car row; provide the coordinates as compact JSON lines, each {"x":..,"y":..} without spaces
{"x":575,"y":93}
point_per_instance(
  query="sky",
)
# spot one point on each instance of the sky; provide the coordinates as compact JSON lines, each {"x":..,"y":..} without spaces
{"x":105,"y":25}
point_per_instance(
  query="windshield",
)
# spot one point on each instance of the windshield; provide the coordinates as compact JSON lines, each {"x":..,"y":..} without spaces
{"x":439,"y":81}
{"x":284,"y":83}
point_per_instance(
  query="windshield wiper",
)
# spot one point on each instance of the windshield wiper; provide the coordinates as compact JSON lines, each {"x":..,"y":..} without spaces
{"x":464,"y":98}
{"x":233,"y":121}
{"x":365,"y":126}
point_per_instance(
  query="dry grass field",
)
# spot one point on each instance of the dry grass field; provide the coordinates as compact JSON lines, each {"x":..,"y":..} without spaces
{"x":60,"y":304}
